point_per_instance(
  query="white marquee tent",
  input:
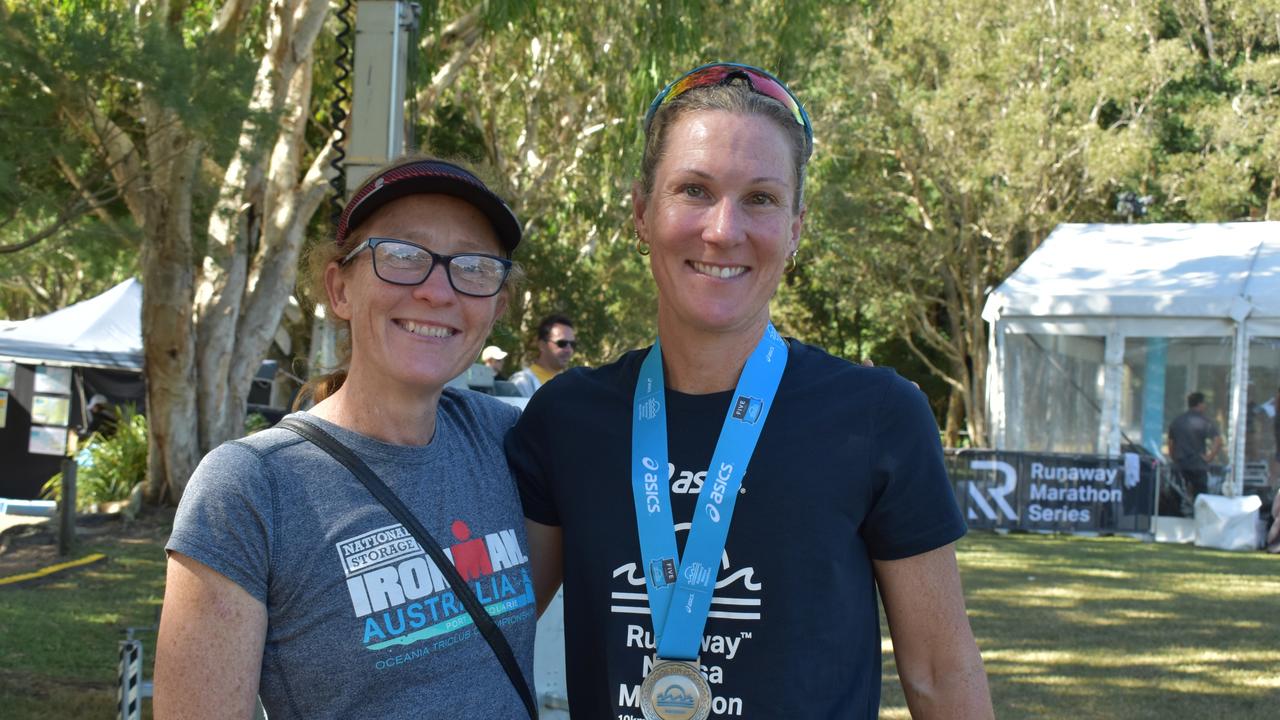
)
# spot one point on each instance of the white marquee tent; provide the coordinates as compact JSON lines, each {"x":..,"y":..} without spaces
{"x":101,"y":332}
{"x":1101,"y":333}
{"x":50,"y":366}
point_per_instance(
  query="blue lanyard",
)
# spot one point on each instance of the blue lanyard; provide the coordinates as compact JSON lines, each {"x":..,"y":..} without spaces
{"x":688,"y":588}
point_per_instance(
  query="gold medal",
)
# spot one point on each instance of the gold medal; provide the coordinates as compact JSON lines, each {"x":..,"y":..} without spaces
{"x":675,"y":690}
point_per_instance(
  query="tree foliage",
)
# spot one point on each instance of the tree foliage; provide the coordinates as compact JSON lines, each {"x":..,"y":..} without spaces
{"x":187,"y":143}
{"x":553,"y":101}
{"x":958,"y":134}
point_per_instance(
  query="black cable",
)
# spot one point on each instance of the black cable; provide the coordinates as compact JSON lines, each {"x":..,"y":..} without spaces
{"x":338,"y":112}
{"x":411,"y":73}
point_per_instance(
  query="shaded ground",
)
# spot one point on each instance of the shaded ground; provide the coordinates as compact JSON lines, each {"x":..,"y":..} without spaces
{"x":1074,"y":628}
{"x":60,"y":634}
{"x":30,"y":544}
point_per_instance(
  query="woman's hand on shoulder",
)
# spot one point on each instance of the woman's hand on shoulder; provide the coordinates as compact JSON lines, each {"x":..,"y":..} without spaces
{"x":866,"y":362}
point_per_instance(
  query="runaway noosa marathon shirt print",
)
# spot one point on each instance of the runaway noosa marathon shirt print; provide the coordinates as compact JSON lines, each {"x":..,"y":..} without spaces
{"x":405,"y":601}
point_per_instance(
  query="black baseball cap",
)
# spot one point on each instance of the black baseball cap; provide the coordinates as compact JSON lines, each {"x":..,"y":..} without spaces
{"x":422,"y":177}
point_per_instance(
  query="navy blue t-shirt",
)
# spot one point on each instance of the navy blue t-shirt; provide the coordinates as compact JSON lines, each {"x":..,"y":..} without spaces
{"x":848,"y":468}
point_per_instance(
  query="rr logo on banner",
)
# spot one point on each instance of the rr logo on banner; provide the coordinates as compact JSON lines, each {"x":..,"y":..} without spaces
{"x":998,"y":492}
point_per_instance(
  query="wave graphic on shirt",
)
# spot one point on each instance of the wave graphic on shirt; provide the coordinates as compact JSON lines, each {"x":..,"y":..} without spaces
{"x":722,"y":606}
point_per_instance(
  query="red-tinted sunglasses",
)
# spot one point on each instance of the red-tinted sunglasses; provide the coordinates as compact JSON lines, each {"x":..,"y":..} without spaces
{"x":711,"y":74}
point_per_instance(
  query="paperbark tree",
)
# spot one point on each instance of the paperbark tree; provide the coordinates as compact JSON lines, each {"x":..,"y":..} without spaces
{"x":213,"y":296}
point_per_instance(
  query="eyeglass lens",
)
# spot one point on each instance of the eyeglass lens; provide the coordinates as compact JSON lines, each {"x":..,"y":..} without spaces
{"x":403,"y":263}
{"x":566,"y":343}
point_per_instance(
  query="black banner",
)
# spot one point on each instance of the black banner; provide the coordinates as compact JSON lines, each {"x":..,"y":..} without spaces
{"x":1051,"y":491}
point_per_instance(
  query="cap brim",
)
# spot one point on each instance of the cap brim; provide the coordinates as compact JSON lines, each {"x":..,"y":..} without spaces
{"x":441,"y":178}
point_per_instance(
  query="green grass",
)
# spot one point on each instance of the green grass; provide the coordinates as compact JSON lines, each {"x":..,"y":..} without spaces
{"x":1116,"y":628}
{"x":1074,"y":628}
{"x":59,"y":637}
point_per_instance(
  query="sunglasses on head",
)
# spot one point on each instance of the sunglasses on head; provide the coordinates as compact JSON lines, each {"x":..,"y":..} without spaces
{"x":562,"y":344}
{"x":758,"y":80}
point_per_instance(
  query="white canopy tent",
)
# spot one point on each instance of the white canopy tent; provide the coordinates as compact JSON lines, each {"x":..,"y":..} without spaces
{"x":101,"y":332}
{"x":1117,"y":323}
{"x":52,"y":365}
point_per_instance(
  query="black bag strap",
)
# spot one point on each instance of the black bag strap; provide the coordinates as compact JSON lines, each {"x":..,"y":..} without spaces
{"x":485,"y":624}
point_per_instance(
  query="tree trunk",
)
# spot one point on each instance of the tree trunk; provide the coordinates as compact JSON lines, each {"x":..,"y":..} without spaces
{"x":197,"y":398}
{"x":955,"y":416}
{"x":167,"y":294}
{"x":257,"y":195}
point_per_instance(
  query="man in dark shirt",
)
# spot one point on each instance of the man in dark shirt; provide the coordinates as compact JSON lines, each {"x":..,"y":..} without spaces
{"x":1188,"y":434}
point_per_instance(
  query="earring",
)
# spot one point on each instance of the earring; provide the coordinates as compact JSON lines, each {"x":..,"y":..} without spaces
{"x":642,"y":247}
{"x":791,"y":263}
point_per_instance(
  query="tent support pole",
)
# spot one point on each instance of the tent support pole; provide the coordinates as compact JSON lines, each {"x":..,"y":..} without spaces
{"x":1113,"y":376}
{"x":997,"y":393}
{"x":1239,"y":395}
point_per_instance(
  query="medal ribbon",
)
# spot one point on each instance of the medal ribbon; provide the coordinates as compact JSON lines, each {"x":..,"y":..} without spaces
{"x":680,"y":598}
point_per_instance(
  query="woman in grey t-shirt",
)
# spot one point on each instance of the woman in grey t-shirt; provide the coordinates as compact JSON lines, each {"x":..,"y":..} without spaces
{"x":286,"y":579}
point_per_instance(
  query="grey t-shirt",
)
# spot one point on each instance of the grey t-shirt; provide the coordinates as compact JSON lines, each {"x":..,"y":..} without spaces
{"x":360,"y":621}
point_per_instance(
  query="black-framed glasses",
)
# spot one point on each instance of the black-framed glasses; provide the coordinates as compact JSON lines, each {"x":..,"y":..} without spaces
{"x":562,"y":344}
{"x":401,"y":262}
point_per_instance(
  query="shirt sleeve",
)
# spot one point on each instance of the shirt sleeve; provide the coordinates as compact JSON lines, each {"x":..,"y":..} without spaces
{"x":913,"y":508}
{"x":528,"y":446}
{"x":225,"y":518}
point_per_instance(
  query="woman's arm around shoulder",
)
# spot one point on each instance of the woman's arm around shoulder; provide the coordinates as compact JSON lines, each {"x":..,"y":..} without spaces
{"x":546,"y":557}
{"x":209,"y":653}
{"x":933,"y":646}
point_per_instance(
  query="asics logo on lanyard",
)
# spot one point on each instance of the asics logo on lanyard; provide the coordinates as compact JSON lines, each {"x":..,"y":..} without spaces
{"x":679,"y":634}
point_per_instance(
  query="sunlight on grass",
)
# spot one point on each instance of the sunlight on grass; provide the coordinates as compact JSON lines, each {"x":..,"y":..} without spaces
{"x":1241,"y":587}
{"x":1171,"y":657}
{"x":1064,"y":684}
{"x":1101,"y":573}
{"x":1092,"y":618}
{"x":1272,"y":682}
{"x":1145,"y":614}
{"x":99,"y":618}
{"x":110,"y":576}
{"x":1047,"y":593}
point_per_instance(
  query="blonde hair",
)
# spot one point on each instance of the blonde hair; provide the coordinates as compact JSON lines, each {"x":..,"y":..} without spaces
{"x":316,"y":261}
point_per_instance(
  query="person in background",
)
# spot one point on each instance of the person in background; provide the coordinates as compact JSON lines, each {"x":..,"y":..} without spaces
{"x":556,"y":345}
{"x":1275,"y":447}
{"x":493,"y":357}
{"x":697,"y":579}
{"x":1189,"y":433}
{"x":286,"y":578}
{"x":102,"y":418}
{"x":1273,"y":533}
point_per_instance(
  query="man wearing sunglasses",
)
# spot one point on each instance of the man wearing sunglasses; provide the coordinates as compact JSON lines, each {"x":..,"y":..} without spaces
{"x":556,"y":345}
